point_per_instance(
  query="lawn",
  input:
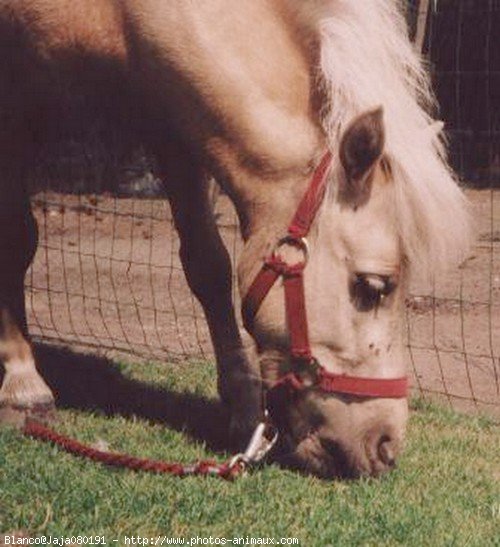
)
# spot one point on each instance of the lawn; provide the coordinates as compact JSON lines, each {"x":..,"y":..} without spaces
{"x":445,"y":490}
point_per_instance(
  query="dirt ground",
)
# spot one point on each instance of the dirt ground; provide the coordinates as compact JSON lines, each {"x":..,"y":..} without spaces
{"x":107,"y":278}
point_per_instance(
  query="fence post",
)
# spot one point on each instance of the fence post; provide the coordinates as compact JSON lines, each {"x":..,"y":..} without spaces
{"x":422,"y":17}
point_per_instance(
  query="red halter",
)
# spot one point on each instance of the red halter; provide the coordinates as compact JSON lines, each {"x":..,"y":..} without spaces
{"x":307,"y":371}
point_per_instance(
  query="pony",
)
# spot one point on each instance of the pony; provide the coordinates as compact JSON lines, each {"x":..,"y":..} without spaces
{"x":318,"y":108}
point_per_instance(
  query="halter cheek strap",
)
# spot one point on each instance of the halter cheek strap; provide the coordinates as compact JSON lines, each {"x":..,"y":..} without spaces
{"x":275,"y":267}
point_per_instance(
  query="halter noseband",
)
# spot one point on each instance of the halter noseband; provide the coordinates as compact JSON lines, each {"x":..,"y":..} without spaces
{"x":307,"y":371}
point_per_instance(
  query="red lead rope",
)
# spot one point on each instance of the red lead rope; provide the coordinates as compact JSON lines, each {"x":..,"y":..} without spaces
{"x":229,"y":470}
{"x":275,"y":267}
{"x":262,"y":441}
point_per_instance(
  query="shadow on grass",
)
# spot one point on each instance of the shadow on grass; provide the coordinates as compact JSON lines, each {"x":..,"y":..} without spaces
{"x":90,"y":382}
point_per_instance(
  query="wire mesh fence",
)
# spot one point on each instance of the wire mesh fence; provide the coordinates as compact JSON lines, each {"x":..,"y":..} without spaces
{"x":456,"y":340}
{"x":107,"y":276}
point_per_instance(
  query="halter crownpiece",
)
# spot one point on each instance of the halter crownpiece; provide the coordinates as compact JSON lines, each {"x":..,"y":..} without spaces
{"x":307,"y":370}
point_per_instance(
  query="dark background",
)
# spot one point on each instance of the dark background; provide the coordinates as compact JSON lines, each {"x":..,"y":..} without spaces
{"x":462,"y":44}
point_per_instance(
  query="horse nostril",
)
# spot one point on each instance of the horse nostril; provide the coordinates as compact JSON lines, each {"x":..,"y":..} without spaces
{"x":386,"y":451}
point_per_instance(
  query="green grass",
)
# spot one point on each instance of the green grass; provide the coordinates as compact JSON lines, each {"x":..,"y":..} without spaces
{"x":444,"y":492}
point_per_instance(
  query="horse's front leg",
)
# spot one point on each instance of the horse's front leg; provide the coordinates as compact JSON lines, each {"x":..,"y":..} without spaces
{"x":23,"y":392}
{"x":208,"y":271}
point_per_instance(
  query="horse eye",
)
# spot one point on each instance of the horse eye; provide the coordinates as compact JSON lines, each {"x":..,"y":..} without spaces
{"x":368,"y":290}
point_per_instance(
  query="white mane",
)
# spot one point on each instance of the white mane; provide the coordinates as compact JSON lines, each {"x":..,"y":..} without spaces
{"x":367,"y":60}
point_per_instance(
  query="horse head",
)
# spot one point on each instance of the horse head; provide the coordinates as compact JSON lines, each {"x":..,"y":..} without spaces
{"x":353,"y":296}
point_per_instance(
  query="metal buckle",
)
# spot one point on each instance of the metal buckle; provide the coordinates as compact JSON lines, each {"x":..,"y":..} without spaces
{"x":262,"y":441}
{"x":299,"y":243}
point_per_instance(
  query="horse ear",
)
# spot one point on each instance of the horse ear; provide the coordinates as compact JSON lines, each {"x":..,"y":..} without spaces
{"x":361,"y":147}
